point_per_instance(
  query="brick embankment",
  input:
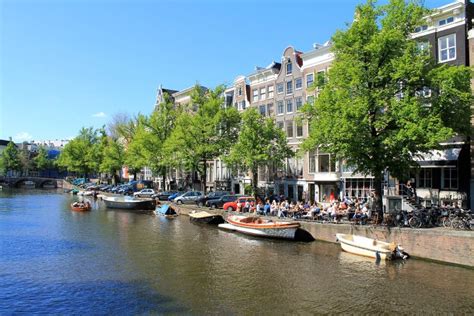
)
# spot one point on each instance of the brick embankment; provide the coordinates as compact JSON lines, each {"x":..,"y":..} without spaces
{"x":438,"y":244}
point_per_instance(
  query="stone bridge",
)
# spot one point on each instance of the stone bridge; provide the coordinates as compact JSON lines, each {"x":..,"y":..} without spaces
{"x":16,"y":182}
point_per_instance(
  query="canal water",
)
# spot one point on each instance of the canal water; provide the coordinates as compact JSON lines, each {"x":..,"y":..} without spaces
{"x":56,"y":261}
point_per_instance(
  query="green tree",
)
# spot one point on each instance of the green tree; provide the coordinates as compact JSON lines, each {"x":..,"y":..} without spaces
{"x":260,"y":143}
{"x":136,"y":153}
{"x":81,"y":153}
{"x":113,"y":158}
{"x":41,"y":160}
{"x":203,"y":131}
{"x":158,"y":128}
{"x":10,"y":159}
{"x":372,"y":112}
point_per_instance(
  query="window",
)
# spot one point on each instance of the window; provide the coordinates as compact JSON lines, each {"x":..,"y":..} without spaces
{"x":242,"y":105}
{"x":447,"y":48}
{"x":280,"y":88}
{"x":263,"y":110}
{"x":255,"y":95}
{"x":299,"y":128}
{"x":421,"y":28}
{"x":298,"y":83}
{"x":450,"y":180}
{"x":289,"y":87}
{"x":280,"y":125}
{"x":312,"y":161}
{"x":310,"y":99}
{"x":299,"y":103}
{"x":446,"y":21}
{"x":423,"y":46}
{"x":240,"y":91}
{"x":425,"y":178}
{"x":325,"y":164}
{"x":309,"y":80}
{"x":262,"y":93}
{"x":289,"y":129}
{"x":289,"y":68}
{"x":270,"y":91}
{"x":289,"y":106}
{"x":280,"y":107}
{"x":270,"y":109}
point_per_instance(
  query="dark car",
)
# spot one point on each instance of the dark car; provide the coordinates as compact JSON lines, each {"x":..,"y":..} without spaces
{"x":218,"y":203}
{"x":211,"y":196}
{"x":163,"y":196}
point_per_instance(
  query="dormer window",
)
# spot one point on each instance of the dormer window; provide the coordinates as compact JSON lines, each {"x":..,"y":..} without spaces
{"x":421,"y":28}
{"x":289,"y":68}
{"x":446,"y":21}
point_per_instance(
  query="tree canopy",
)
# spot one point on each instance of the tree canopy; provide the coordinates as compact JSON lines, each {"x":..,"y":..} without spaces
{"x":10,"y":159}
{"x":260,"y":143}
{"x":386,"y":100}
{"x":203,"y":131}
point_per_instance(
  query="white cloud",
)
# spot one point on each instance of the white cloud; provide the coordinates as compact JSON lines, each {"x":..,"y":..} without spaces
{"x":100,"y":114}
{"x":22,"y":136}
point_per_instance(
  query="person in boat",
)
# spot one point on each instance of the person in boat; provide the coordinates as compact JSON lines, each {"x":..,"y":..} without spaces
{"x":259,"y":208}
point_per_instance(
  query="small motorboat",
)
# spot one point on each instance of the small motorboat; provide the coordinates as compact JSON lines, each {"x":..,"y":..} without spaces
{"x":130,"y":203}
{"x":206,"y":218}
{"x":369,"y":247}
{"x":81,"y":206}
{"x":165,"y":210}
{"x":257,"y":226}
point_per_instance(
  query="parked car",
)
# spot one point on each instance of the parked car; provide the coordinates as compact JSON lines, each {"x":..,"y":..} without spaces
{"x":211,"y":196}
{"x":144,"y":193}
{"x":163,"y":196}
{"x":188,"y":197}
{"x":218,"y":203}
{"x":175,"y":195}
{"x":232,"y":206}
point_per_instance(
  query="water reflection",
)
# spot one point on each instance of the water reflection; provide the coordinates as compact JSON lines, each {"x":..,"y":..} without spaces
{"x":110,"y":261}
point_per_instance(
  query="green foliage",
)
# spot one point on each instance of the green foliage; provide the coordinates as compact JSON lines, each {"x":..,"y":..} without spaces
{"x":10,"y":159}
{"x":259,"y":143}
{"x":84,"y":153}
{"x":371,"y":112}
{"x":41,"y":160}
{"x":113,"y":159}
{"x":203,"y":131}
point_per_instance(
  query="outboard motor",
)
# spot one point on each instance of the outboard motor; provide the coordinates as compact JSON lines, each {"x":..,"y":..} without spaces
{"x":400,"y":253}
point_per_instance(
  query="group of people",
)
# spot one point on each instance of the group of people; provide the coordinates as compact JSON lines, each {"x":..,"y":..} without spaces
{"x":358,"y":210}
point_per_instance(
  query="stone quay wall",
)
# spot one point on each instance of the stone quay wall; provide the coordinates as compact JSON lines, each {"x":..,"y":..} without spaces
{"x":437,"y":244}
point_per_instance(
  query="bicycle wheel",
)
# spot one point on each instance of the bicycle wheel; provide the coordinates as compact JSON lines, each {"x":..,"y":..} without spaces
{"x":415,"y":222}
{"x":446,"y":222}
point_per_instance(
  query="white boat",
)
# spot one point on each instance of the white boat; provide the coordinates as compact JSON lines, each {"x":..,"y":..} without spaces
{"x":126,"y":202}
{"x":369,"y":247}
{"x":257,"y":226}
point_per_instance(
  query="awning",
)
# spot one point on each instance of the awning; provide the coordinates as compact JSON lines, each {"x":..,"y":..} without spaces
{"x":439,"y":158}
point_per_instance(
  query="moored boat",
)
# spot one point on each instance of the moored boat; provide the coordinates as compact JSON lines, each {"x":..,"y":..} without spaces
{"x":257,"y":226}
{"x":369,"y":247}
{"x":81,"y":206}
{"x":129,"y":203}
{"x":206,"y":218}
{"x":165,"y":210}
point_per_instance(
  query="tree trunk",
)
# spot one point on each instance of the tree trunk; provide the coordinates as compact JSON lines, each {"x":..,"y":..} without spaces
{"x":204,"y":178}
{"x":255,"y":181}
{"x":163,"y":175}
{"x":378,"y":176}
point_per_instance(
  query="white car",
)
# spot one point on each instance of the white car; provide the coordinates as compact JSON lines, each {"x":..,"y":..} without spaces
{"x":144,"y":193}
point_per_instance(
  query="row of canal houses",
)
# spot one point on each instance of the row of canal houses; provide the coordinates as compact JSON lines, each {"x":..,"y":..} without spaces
{"x":280,"y":89}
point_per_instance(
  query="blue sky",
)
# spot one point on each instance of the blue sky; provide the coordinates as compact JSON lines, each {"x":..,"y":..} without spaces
{"x":65,"y":64}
